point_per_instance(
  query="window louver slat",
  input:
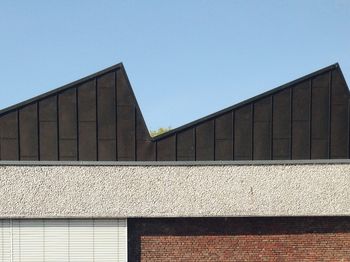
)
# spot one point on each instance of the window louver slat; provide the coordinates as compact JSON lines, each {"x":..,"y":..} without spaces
{"x":63,"y":240}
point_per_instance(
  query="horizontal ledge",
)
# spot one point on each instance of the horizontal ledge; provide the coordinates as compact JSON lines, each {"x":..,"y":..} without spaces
{"x":177,"y":163}
{"x":79,"y":217}
{"x":175,"y":191}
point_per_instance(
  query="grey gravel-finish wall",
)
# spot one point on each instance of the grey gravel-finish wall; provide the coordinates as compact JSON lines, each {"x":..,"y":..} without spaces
{"x":31,"y":191}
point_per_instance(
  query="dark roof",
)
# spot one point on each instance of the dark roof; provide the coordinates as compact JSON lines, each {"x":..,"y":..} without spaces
{"x":249,"y":100}
{"x":98,"y":118}
{"x":60,"y":89}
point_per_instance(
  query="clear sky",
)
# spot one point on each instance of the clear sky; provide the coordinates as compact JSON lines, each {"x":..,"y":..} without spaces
{"x":185,"y":59}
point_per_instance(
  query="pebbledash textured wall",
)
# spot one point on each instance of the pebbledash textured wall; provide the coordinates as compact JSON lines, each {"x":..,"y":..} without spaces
{"x":227,"y":190}
{"x":272,"y":211}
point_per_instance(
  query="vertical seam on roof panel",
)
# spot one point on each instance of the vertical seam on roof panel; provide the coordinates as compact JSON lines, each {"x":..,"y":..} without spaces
{"x":176,"y":146}
{"x":38,"y":127}
{"x":233,"y":133}
{"x":77,"y":119}
{"x":58,"y":126}
{"x":271,"y":128}
{"x":329,"y":113}
{"x":291,"y":123}
{"x":348,"y":149}
{"x":116,"y":72}
{"x":252,"y":133}
{"x":96,"y":117}
{"x":135,"y":133}
{"x":0,"y":138}
{"x":156,"y":149}
{"x":310,"y":120}
{"x":214,"y":139}
{"x":18,"y":137}
{"x":194,"y":134}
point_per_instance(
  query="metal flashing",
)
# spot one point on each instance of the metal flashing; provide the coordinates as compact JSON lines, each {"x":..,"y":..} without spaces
{"x":179,"y":163}
{"x":249,"y":100}
{"x":60,"y":89}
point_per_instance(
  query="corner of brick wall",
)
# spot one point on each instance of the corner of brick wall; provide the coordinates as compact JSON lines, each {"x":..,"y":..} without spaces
{"x":240,"y":239}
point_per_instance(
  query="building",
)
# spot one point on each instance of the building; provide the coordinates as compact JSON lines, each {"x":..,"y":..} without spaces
{"x":266,"y":179}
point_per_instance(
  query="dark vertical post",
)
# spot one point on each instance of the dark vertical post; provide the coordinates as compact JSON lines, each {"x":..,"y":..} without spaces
{"x":291,"y":123}
{"x":329,"y":112}
{"x":38,"y":127}
{"x":271,"y":129}
{"x":0,"y":139}
{"x":96,"y":112}
{"x":19,"y":137}
{"x":195,"y":142}
{"x":156,"y":145}
{"x":233,"y":134}
{"x":135,"y":132}
{"x":58,"y":126}
{"x":252,"y":133}
{"x":116,"y":111}
{"x":175,"y":146}
{"x":348,"y":128}
{"x":310,"y":120}
{"x":214,"y":127}
{"x":77,"y":116}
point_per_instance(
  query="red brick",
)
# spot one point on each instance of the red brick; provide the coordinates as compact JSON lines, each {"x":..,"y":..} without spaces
{"x":240,"y":239}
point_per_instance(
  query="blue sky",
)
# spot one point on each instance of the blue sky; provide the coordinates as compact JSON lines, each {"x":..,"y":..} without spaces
{"x":185,"y":59}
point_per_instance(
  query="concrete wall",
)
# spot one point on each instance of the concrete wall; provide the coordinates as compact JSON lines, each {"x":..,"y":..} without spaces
{"x":285,"y":189}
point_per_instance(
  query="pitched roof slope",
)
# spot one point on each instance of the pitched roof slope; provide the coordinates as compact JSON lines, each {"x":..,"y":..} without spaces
{"x":98,"y":118}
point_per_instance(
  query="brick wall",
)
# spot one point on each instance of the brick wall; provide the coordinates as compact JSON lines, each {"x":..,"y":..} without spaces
{"x":240,"y":239}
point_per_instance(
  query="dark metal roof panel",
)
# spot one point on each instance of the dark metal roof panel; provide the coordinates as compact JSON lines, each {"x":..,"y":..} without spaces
{"x":252,"y":99}
{"x":60,"y":89}
{"x":98,"y":118}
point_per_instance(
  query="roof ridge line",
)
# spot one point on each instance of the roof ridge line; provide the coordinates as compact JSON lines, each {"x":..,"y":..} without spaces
{"x":183,"y":127}
{"x":247,"y":101}
{"x":60,"y":89}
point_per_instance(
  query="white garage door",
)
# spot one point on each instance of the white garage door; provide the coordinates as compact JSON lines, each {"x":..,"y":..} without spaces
{"x":63,"y":240}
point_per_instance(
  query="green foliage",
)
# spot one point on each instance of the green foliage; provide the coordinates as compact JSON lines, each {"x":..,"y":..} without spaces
{"x":159,"y":131}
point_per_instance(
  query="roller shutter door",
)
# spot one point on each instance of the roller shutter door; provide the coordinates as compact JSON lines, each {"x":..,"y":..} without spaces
{"x":63,"y":240}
